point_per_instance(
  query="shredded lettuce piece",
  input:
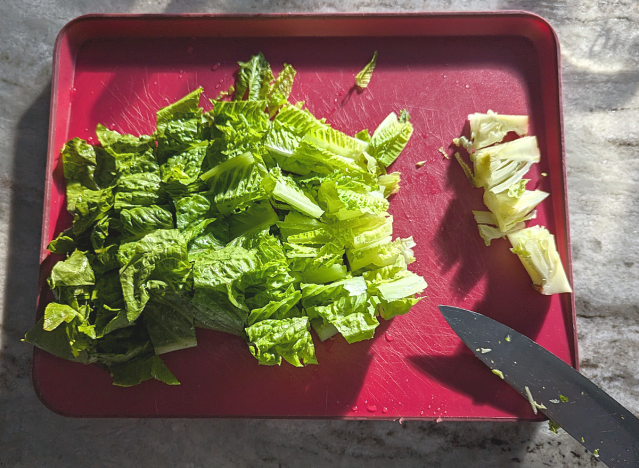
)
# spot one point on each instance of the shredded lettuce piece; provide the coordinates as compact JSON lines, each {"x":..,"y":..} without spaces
{"x":490,"y":233}
{"x":467,"y":170}
{"x":533,"y":404}
{"x":509,"y":210}
{"x":498,"y":373}
{"x":489,"y":128}
{"x":336,"y":142}
{"x":390,"y":182}
{"x":536,"y":249}
{"x":364,"y":76}
{"x":284,"y":189}
{"x":484,"y":217}
{"x":499,"y":167}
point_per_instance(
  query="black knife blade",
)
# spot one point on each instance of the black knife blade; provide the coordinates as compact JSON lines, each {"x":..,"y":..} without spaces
{"x":582,"y":409}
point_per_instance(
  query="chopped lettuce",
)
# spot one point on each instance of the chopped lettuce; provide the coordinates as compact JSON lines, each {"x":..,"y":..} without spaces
{"x":272,"y":340}
{"x":280,"y":89}
{"x":500,"y":170}
{"x":254,"y":218}
{"x":509,"y":211}
{"x":390,"y":138}
{"x":489,"y":128}
{"x":536,"y":249}
{"x":499,"y":167}
{"x":253,"y":79}
{"x":490,"y":233}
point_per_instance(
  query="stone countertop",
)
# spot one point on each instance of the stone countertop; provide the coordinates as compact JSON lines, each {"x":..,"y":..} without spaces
{"x":600,"y":53}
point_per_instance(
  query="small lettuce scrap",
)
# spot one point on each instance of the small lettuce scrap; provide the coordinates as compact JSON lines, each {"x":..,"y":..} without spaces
{"x":254,"y":218}
{"x":364,"y":76}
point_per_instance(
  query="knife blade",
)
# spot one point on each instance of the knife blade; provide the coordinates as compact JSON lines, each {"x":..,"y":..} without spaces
{"x":553,"y":387}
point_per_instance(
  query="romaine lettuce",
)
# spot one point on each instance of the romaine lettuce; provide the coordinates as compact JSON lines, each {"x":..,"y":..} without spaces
{"x":536,"y":249}
{"x":255,"y":218}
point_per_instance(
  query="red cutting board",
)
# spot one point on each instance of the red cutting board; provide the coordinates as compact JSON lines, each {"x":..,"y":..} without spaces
{"x":119,"y":70}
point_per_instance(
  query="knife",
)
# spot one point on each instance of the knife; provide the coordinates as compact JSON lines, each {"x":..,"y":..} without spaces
{"x":582,"y":409}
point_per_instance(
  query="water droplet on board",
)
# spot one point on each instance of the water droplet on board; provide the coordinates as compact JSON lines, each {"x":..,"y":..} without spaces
{"x":421,"y":412}
{"x":354,"y":408}
{"x":371,"y":408}
{"x":384,"y":410}
{"x":181,"y":71}
{"x":155,"y":83}
{"x":388,"y":337}
{"x":218,"y":86}
{"x":112,"y":126}
{"x":215,"y":66}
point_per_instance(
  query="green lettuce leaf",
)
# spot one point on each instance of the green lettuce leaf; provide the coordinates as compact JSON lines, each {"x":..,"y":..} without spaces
{"x":275,"y":309}
{"x":74,"y":271}
{"x":161,"y":255}
{"x":280,"y":89}
{"x":238,"y":127}
{"x":350,"y":317}
{"x":140,"y":189}
{"x":178,"y":124}
{"x":170,"y":328}
{"x":191,"y":210}
{"x":63,"y":244}
{"x":212,"y":234}
{"x":272,"y":340}
{"x":213,"y":310}
{"x":143,"y":220}
{"x":323,"y":294}
{"x":284,"y":188}
{"x":236,"y":183}
{"x":389,"y":139}
{"x":65,"y":341}
{"x":141,"y":368}
{"x":253,"y":79}
{"x":257,"y":217}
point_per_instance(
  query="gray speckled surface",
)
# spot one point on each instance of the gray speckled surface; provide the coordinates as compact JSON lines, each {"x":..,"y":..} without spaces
{"x":600,"y":51}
